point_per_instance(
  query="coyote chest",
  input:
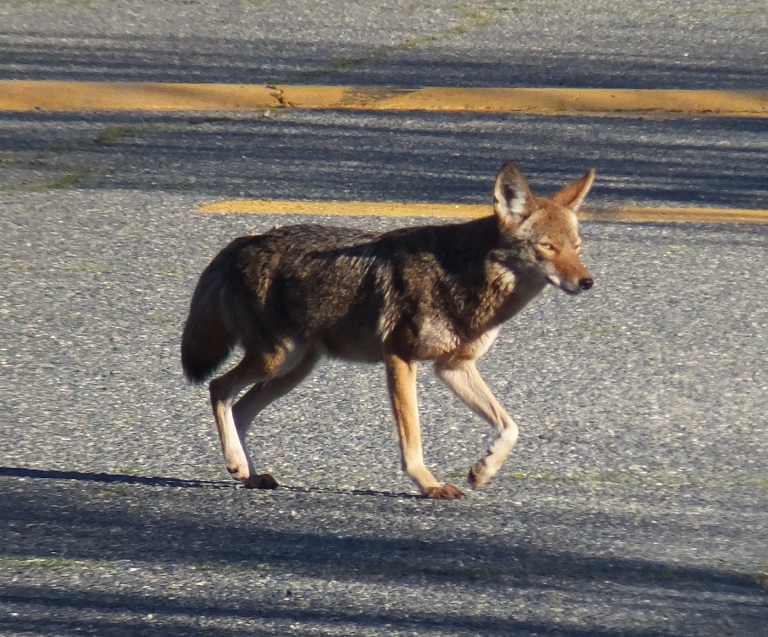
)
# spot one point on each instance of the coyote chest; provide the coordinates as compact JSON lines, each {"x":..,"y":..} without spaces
{"x":438,"y":338}
{"x":470,"y":334}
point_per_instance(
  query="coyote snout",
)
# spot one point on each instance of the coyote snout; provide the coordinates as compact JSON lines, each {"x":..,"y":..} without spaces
{"x":572,"y":286}
{"x":428,"y":293}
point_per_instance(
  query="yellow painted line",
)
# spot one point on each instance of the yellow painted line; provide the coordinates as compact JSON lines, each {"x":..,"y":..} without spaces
{"x":637,"y":214}
{"x":627,"y":214}
{"x":21,"y":95}
{"x":348,"y":208}
{"x":130,"y":96}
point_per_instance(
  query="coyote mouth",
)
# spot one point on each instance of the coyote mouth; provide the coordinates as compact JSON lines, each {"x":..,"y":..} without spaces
{"x":566,"y":286}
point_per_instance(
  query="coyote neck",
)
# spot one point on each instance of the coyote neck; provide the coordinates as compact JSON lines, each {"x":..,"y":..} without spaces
{"x":510,"y":291}
{"x":476,"y":280}
{"x":509,"y":285}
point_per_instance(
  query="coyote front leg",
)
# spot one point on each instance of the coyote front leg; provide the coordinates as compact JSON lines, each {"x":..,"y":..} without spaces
{"x":463,"y":379}
{"x":401,"y":381}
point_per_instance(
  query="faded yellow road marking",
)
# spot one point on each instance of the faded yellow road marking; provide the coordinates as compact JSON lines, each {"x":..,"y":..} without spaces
{"x":634,"y":214}
{"x":348,"y":208}
{"x":20,"y":95}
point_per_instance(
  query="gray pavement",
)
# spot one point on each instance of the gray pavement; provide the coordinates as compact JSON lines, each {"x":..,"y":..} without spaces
{"x":636,"y":502}
{"x":382,"y":157}
{"x":643,"y":44}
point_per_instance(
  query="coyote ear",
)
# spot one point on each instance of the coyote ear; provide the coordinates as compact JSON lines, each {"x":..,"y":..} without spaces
{"x":573,"y":194}
{"x":512,"y":197}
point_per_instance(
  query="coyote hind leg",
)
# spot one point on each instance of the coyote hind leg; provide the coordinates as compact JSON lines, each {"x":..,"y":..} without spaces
{"x":257,"y":398}
{"x":255,"y":370}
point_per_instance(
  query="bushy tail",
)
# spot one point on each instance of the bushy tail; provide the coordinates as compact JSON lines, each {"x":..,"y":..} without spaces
{"x":206,"y":340}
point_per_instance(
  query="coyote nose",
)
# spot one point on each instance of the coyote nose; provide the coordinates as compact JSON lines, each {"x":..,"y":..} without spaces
{"x":585,"y":284}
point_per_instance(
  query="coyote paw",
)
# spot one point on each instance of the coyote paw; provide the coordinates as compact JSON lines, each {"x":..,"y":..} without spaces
{"x":444,"y":492}
{"x":478,"y":475}
{"x":260,"y":481}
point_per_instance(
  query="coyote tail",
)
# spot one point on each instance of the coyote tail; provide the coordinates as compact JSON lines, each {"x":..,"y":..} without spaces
{"x":205,"y":341}
{"x":207,"y":338}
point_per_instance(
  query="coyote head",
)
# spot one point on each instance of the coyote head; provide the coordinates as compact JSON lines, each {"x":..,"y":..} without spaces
{"x":544,"y":229}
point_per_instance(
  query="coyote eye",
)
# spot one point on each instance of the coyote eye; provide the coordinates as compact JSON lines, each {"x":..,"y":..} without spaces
{"x":547,"y":246}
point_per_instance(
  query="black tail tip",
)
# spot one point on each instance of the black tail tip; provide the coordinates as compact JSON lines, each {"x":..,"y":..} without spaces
{"x":195,"y":374}
{"x":195,"y":379}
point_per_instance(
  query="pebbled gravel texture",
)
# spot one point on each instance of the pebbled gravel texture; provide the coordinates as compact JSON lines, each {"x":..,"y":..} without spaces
{"x":643,"y":44}
{"x":385,"y":156}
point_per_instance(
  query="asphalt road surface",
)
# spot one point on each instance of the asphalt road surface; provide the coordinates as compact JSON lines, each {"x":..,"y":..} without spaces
{"x":708,"y":44}
{"x":636,"y":501}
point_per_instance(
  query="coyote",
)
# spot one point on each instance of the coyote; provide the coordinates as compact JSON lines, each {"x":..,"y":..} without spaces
{"x":427,"y":293}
